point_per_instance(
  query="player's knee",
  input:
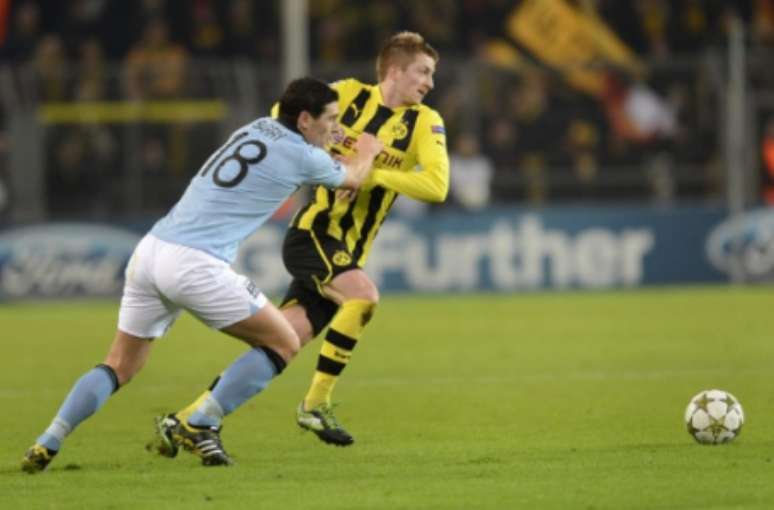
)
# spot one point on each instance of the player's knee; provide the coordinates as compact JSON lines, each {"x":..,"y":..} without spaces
{"x":355,"y":285}
{"x":299,"y":320}
{"x":289,"y":345}
{"x":293,"y":347}
{"x":306,"y":337}
{"x":372,"y":295}
{"x":366,"y":291}
{"x":122,"y":372}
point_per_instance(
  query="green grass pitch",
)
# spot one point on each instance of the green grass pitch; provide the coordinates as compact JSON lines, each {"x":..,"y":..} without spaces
{"x":536,"y":401}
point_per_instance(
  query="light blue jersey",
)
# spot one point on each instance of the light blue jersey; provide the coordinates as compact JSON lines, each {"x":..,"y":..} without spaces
{"x":242,"y":184}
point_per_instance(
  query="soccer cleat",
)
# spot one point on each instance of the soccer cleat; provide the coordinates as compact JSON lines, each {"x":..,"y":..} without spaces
{"x":322,"y":422}
{"x":37,"y":458}
{"x":163,"y":443}
{"x":202,"y":442}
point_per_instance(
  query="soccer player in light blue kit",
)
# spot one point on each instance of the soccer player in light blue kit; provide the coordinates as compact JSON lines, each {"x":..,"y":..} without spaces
{"x":184,"y":263}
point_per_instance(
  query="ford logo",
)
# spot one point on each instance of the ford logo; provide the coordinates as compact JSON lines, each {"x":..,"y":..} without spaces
{"x":749,"y":240}
{"x":69,"y":259}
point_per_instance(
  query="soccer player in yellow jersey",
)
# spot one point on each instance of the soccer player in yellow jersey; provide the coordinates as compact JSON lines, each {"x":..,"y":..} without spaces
{"x":330,"y":238}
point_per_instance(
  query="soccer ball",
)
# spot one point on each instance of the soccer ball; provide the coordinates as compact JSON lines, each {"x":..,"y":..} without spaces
{"x":714,"y":417}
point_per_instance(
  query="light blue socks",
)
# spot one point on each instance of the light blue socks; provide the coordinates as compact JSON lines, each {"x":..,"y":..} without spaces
{"x":87,"y":396}
{"x":244,"y":378}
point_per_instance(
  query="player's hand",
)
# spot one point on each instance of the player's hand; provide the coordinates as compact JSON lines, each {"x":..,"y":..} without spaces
{"x":369,"y":145}
{"x":346,"y":194}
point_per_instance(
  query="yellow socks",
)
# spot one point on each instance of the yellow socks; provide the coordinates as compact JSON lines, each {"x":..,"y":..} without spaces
{"x":186,"y":412}
{"x":343,"y":334}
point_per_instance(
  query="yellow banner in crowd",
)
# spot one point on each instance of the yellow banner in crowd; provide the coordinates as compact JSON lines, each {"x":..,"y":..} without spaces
{"x":117,"y":112}
{"x":574,"y":43}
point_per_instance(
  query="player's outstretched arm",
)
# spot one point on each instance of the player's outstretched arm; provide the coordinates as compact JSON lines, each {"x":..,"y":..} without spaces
{"x":431,"y":182}
{"x":359,"y":164}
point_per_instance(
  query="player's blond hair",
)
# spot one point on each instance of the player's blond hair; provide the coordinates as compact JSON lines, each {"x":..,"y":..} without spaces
{"x":400,"y":49}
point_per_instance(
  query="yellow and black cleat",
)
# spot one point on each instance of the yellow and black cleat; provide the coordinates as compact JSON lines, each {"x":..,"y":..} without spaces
{"x":37,"y":458}
{"x":323,"y":423}
{"x":205,"y":443}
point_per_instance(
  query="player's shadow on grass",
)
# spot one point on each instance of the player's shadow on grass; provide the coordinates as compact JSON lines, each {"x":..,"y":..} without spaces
{"x":53,"y":469}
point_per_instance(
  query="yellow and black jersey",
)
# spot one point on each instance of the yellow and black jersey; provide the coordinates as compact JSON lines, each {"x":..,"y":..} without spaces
{"x":414,"y":162}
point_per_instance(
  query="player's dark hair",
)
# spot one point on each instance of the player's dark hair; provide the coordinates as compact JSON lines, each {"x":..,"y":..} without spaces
{"x":304,"y":95}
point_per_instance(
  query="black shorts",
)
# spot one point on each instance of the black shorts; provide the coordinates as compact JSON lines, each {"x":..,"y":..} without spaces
{"x":313,"y":260}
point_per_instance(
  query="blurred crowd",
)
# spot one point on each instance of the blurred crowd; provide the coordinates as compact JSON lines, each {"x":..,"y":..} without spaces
{"x":343,"y":30}
{"x":518,"y":133}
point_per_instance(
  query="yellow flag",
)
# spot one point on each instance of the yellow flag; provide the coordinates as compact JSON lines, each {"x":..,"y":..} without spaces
{"x":574,"y":43}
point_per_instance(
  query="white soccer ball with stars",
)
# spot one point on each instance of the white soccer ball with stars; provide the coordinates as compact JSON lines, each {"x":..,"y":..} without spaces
{"x":714,"y":417}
